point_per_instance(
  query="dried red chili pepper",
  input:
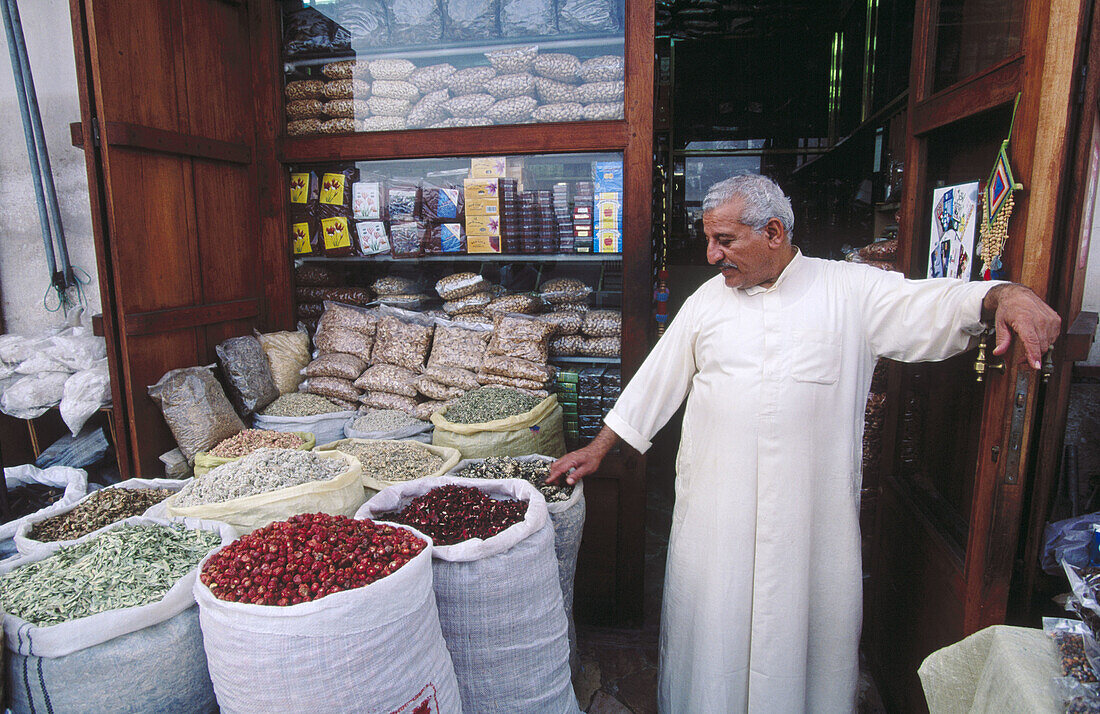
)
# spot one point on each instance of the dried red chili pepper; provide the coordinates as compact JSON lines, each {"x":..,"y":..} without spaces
{"x":452,"y":514}
{"x":306,"y":558}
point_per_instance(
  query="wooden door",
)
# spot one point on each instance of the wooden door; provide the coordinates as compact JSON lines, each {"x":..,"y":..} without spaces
{"x":184,"y":254}
{"x":958,"y":454}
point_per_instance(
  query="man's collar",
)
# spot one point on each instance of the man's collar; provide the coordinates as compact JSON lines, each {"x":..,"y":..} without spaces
{"x":791,"y":268}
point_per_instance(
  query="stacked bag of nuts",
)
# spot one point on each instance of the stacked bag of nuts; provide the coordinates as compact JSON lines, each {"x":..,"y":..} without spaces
{"x":881,"y":254}
{"x":314,"y":284}
{"x":398,"y":291}
{"x":517,"y":354}
{"x":568,"y":301}
{"x":602,"y":331}
{"x":344,"y":343}
{"x":401,"y":347}
{"x":519,"y":85}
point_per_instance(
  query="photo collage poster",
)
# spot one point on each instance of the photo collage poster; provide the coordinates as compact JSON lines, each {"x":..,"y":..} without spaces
{"x":954,"y":224}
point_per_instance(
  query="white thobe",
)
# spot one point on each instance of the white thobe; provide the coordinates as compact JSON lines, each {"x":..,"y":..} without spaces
{"x":763,"y":589}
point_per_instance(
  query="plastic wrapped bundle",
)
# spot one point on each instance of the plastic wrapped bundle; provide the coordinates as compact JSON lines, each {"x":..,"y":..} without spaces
{"x":415,"y":22}
{"x":470,"y":19}
{"x":589,"y":16}
{"x":520,"y":18}
{"x":365,"y":21}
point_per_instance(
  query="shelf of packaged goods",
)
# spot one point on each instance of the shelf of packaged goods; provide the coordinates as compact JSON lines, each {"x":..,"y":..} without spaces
{"x":450,"y":51}
{"x":581,"y":359}
{"x":476,"y":258}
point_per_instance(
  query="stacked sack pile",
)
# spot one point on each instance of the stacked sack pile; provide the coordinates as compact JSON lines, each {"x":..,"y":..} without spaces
{"x":568,"y":298}
{"x":344,"y":342}
{"x":315,"y":285}
{"x":398,"y":291}
{"x":517,"y":354}
{"x":402,"y":345}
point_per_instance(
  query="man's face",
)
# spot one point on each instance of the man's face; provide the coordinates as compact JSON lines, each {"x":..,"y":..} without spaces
{"x":746,"y":257}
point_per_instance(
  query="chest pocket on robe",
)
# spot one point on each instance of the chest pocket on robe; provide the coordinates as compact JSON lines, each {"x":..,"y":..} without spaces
{"x":815,"y":356}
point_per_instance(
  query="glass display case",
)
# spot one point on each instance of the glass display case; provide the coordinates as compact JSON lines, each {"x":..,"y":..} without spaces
{"x":379,"y":65}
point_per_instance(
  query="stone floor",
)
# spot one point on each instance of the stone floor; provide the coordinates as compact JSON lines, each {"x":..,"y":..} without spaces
{"x":618,"y":672}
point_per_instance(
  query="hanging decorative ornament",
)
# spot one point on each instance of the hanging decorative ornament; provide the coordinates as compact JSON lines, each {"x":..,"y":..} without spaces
{"x":997,"y":204}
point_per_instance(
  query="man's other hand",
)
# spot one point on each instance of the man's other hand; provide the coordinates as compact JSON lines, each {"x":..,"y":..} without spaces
{"x":1018,"y":311}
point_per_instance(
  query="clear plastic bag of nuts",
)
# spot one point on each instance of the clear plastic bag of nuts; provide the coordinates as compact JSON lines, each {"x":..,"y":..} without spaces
{"x":404,"y":338}
{"x":518,"y":368}
{"x":331,"y":387}
{"x":522,"y":303}
{"x":487,"y":378}
{"x":602,"y":323}
{"x":453,"y":377}
{"x":385,"y":400}
{"x":601,"y":347}
{"x":459,"y":285}
{"x":565,"y":322}
{"x":566,"y":346}
{"x":521,"y":336}
{"x":467,"y":305}
{"x":341,"y":339}
{"x":513,"y":59}
{"x":424,"y":410}
{"x":436,"y":391}
{"x":461,"y":346}
{"x":388,"y":378}
{"x":351,"y":317}
{"x":335,"y":364}
{"x":562,"y":290}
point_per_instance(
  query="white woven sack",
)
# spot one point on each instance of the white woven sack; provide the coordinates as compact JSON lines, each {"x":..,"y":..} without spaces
{"x":29,"y":546}
{"x":377,"y":648}
{"x":146,"y":658}
{"x":501,"y":613}
{"x":74,"y":481}
{"x":567,"y":517}
{"x":324,"y":427}
{"x":423,"y":434}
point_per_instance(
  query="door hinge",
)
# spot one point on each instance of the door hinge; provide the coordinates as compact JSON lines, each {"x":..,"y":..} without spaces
{"x":95,"y":131}
{"x":1016,"y":428}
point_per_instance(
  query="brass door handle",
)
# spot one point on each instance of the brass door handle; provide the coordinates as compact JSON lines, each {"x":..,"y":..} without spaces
{"x":982,"y":364}
{"x":1047,"y":370}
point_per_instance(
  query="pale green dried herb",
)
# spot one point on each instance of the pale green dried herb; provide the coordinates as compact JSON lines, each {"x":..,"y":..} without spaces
{"x":489,"y":404}
{"x":128,"y":566}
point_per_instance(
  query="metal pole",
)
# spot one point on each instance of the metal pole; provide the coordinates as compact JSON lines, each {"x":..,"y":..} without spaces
{"x":28,"y":134}
{"x":43,"y":151}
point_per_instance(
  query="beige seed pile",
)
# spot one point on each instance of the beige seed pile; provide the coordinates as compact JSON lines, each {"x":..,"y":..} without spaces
{"x":393,"y":460}
{"x":247,"y":441}
{"x":300,"y":404}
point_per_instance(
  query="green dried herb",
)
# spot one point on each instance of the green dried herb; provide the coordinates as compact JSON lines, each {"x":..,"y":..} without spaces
{"x":533,"y":472}
{"x":489,"y":404}
{"x":102,"y":508}
{"x":128,"y":566}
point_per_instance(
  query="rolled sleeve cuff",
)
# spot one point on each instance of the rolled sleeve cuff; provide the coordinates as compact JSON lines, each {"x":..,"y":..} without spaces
{"x":973,"y":306}
{"x":626,"y":432}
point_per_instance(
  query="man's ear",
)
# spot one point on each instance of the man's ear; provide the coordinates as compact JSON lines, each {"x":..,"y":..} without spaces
{"x":776,"y":233}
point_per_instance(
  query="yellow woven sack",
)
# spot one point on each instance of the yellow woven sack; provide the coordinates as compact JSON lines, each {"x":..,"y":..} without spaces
{"x":373,"y":484}
{"x":339,"y":496}
{"x":204,"y":461}
{"x":539,"y":431}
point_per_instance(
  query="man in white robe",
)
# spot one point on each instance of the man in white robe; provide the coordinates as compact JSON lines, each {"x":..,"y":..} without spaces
{"x":763,"y":590}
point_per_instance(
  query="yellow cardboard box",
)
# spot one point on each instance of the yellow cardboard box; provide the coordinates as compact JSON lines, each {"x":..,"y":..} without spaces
{"x":488,"y":167}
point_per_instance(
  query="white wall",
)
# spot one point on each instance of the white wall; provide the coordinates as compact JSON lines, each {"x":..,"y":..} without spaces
{"x":1091,"y":299}
{"x":23,"y":271}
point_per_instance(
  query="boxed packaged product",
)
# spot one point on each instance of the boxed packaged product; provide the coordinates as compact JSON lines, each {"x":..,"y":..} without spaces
{"x":488,"y":167}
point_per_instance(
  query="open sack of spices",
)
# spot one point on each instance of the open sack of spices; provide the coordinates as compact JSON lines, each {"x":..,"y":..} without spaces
{"x":272,"y":485}
{"x":1078,"y":686}
{"x":284,"y":632}
{"x":500,"y":421}
{"x":567,"y":510}
{"x":388,"y":424}
{"x":387,"y":462}
{"x":245,"y":442}
{"x":38,"y":493}
{"x":93,"y":513}
{"x":302,"y":412}
{"x":495,"y":578}
{"x":108,"y":624}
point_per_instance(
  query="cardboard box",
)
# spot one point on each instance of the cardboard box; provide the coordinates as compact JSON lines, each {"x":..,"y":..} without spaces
{"x":609,"y":241}
{"x":488,"y":167}
{"x":483,"y":206}
{"x":482,"y":225}
{"x":482,"y":244}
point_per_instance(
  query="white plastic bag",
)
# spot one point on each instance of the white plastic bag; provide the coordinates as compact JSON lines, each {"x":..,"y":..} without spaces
{"x":415,"y":432}
{"x":84,"y":393}
{"x":378,"y":648}
{"x":30,"y":397}
{"x":501,"y":612}
{"x":567,"y":517}
{"x":146,"y":658}
{"x":76,"y":348}
{"x":324,"y":427}
{"x":28,"y":546}
{"x":74,"y":481}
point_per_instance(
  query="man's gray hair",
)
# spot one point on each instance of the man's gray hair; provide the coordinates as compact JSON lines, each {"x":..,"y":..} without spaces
{"x":763,"y":200}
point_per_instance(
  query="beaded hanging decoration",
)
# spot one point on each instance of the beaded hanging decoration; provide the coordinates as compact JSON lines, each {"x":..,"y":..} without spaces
{"x":997,"y":204}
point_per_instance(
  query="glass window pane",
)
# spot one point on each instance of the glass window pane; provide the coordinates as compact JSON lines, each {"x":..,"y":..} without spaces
{"x":378,"y":65}
{"x":972,"y":35}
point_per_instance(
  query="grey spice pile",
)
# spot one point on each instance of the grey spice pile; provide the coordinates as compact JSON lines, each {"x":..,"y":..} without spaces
{"x":102,"y":508}
{"x":245,"y":442}
{"x":383,"y":420}
{"x":534,"y":472}
{"x":393,"y":460}
{"x":128,"y":566}
{"x":300,"y":404}
{"x":489,"y":404}
{"x":261,"y":471}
